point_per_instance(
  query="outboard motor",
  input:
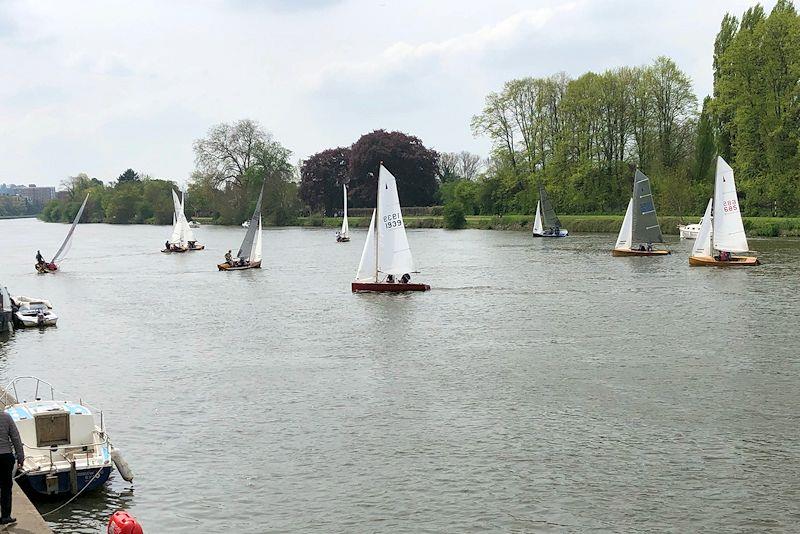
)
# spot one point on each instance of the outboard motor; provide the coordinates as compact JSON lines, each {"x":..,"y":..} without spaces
{"x":40,"y":318}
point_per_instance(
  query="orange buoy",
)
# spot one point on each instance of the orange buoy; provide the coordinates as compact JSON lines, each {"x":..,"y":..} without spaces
{"x":123,"y":523}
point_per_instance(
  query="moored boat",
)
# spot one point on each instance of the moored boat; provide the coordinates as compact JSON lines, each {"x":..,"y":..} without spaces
{"x":44,"y":267}
{"x":689,"y":231}
{"x":249,"y":255}
{"x":33,"y":313}
{"x":386,"y":263}
{"x":722,"y":232}
{"x":640,"y":224}
{"x":343,"y":235}
{"x":546,"y":218}
{"x":67,"y":449}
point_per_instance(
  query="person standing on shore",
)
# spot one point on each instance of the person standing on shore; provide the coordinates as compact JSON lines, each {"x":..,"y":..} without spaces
{"x":9,"y":437}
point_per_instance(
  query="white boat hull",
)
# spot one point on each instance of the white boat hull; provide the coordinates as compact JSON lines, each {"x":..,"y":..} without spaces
{"x":689,"y":231}
{"x":33,"y":321}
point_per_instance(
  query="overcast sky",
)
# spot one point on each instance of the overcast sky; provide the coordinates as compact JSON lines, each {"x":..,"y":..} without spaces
{"x":100,"y":86}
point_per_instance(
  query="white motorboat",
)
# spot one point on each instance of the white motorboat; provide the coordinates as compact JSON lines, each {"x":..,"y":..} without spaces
{"x":690,"y":231}
{"x":33,"y":313}
{"x":194,"y":224}
{"x":67,"y":449}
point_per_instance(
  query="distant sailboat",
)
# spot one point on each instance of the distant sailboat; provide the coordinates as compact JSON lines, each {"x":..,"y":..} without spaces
{"x":640,"y":224}
{"x":386,"y":263}
{"x":182,"y":238}
{"x":42,"y":266}
{"x":724,"y":232}
{"x":249,"y":255}
{"x":343,"y":235}
{"x":546,"y":218}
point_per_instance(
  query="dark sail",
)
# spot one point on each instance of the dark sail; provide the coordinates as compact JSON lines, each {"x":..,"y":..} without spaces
{"x":249,"y":237}
{"x":548,"y":213}
{"x":645,"y":223}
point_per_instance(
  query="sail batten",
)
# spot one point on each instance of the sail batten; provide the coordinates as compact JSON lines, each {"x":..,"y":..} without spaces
{"x":644,"y":223}
{"x":62,"y":249}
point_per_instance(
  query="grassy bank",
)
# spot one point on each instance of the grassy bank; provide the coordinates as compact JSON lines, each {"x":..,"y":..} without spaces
{"x":754,"y":226}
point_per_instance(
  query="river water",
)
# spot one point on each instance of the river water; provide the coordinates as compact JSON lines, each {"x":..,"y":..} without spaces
{"x":542,"y":385}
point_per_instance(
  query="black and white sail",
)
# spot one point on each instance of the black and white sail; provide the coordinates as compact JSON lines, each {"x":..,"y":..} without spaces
{"x":549,"y":216}
{"x":250,"y":250}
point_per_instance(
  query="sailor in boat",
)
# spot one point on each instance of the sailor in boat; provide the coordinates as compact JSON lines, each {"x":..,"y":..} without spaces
{"x":9,"y":437}
{"x":191,"y":244}
{"x":649,"y":247}
{"x":229,"y":258}
{"x":390,"y":279}
{"x":406,"y":278}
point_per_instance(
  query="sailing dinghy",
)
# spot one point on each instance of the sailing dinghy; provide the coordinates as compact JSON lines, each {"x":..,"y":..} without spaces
{"x":386,"y":263}
{"x":640,"y":224}
{"x":343,"y":235}
{"x":44,"y":267}
{"x":546,"y":218}
{"x":182,"y":238}
{"x":724,"y":232}
{"x":249,"y":255}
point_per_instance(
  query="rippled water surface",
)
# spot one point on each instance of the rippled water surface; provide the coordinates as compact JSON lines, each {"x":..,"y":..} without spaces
{"x":540,"y":386}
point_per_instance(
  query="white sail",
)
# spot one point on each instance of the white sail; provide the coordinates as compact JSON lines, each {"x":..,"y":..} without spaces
{"x":728,"y":228}
{"x":186,"y":230}
{"x":345,"y":231}
{"x":702,"y":245}
{"x":255,"y":253}
{"x":537,"y":222}
{"x":176,"y":237}
{"x":625,"y":238}
{"x":394,"y":254}
{"x":367,"y":266}
{"x":62,"y":250}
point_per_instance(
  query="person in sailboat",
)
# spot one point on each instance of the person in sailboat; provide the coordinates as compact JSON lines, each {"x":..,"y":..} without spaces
{"x":649,"y":247}
{"x":39,"y":257}
{"x":390,"y":279}
{"x":406,"y":278}
{"x":229,"y":258}
{"x":191,"y":244}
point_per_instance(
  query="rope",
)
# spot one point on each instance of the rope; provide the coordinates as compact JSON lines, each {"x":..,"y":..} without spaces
{"x":96,"y":475}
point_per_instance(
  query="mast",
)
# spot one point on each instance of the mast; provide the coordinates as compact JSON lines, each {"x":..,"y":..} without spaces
{"x":377,"y":217}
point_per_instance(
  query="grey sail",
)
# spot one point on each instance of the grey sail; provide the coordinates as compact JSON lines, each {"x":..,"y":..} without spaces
{"x":247,"y":244}
{"x":645,"y":223}
{"x":548,"y":213}
{"x":63,"y":248}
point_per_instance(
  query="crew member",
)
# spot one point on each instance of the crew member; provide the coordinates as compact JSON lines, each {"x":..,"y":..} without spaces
{"x":229,"y":258}
{"x":9,"y":438}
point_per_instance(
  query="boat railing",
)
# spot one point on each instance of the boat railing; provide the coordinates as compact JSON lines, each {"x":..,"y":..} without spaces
{"x":56,"y":448}
{"x":10,"y":394}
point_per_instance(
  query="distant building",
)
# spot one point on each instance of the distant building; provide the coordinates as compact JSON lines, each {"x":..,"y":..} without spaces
{"x":34,"y":194}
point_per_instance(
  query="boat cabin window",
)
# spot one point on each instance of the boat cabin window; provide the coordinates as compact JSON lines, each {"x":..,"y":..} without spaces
{"x":52,"y":429}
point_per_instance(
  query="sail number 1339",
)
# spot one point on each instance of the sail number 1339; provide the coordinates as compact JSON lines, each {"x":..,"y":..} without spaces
{"x":393,"y":220}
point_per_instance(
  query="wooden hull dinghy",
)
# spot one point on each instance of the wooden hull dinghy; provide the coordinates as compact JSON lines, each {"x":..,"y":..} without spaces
{"x":722,"y":228}
{"x":386,"y":262}
{"x":387,"y":287}
{"x":174,"y":250}
{"x":228,"y":267}
{"x":45,"y":267}
{"x":631,"y":252}
{"x":546,"y":217}
{"x":640,"y":224}
{"x":249,"y":255}
{"x":67,"y":449}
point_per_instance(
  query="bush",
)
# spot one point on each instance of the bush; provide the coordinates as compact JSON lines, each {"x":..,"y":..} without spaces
{"x":454,"y":216}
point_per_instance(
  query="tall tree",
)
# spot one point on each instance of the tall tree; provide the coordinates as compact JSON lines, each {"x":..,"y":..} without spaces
{"x":321,"y":179}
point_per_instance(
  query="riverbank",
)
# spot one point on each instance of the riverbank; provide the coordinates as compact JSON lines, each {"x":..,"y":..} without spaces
{"x":754,"y":226}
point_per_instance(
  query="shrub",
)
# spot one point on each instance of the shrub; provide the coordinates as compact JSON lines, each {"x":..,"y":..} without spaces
{"x":454,"y":216}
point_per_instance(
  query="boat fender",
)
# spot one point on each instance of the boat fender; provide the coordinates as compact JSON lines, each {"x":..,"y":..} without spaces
{"x":122,"y":466}
{"x":123,"y":523}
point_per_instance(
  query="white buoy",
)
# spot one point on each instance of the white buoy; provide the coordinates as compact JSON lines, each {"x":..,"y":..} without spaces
{"x":122,"y":466}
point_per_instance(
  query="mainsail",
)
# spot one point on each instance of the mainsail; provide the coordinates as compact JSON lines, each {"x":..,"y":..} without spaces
{"x":62,"y":250}
{"x":645,"y":227}
{"x":702,"y":245}
{"x":548,"y":213}
{"x":247,"y":249}
{"x":177,"y":236}
{"x":728,"y":228}
{"x":345,"y":231}
{"x":537,"y":222}
{"x":625,"y":239}
{"x":394,"y":253}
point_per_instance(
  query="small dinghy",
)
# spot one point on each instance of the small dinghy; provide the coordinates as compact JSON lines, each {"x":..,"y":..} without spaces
{"x":722,"y":229}
{"x":343,"y":235}
{"x":546,"y":217}
{"x":386,"y":263}
{"x":249,"y":255}
{"x":32,"y":312}
{"x":182,"y":238}
{"x":640,"y":224}
{"x":67,"y":449}
{"x":44,"y":267}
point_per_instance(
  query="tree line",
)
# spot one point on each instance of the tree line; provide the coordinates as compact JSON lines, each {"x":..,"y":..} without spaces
{"x":580,"y":137}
